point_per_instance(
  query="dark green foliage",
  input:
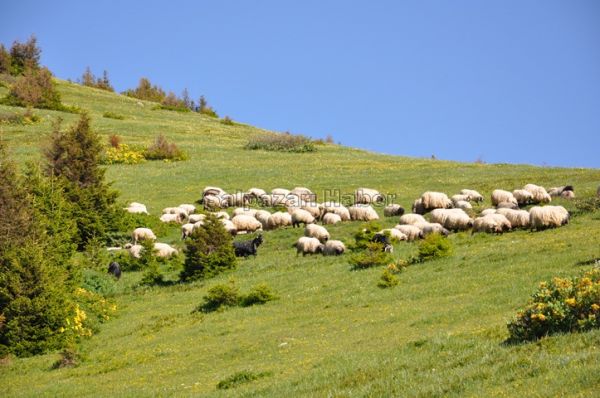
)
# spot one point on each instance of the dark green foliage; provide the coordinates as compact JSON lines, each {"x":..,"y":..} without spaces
{"x":34,"y":88}
{"x":146,"y":91}
{"x":162,"y":149}
{"x":434,"y":246}
{"x":69,"y":357}
{"x":586,"y":205}
{"x":95,"y":256}
{"x":259,"y":294}
{"x":172,"y":103}
{"x":372,"y":256}
{"x":561,"y":305}
{"x":4,"y":60}
{"x":240,"y":378}
{"x":113,"y":115}
{"x":148,"y":262}
{"x":99,"y":282}
{"x":285,"y":142}
{"x":388,"y":279}
{"x":364,"y":235}
{"x":219,"y":297}
{"x":206,"y":109}
{"x":209,"y":251}
{"x":24,"y":56}
{"x":103,"y":83}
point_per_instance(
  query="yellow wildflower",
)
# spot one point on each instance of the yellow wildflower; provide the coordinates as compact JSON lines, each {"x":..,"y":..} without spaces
{"x":571,"y":302}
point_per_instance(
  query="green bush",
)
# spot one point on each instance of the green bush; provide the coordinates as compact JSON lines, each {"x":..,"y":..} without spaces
{"x":69,"y":357}
{"x":227,"y":121}
{"x":388,"y":279}
{"x":35,"y":89}
{"x":259,"y":294}
{"x":99,"y":282}
{"x":285,"y":142}
{"x":240,"y":378}
{"x":363,"y":236}
{"x":148,"y":262}
{"x":161,"y":149}
{"x":220,"y":296}
{"x":434,"y":246}
{"x":113,"y":115}
{"x":25,"y":118}
{"x":372,"y":256}
{"x":561,"y":305}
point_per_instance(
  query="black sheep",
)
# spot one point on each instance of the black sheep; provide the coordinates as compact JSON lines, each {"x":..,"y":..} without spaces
{"x":115,"y":269}
{"x":384,"y":240}
{"x":248,"y":247}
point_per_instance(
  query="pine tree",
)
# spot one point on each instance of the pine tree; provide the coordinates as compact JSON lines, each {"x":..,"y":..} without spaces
{"x":4,"y":60}
{"x":88,"y":78}
{"x":34,"y":88}
{"x":24,"y":56}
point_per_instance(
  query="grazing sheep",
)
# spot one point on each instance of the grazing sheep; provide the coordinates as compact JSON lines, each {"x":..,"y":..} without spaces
{"x":237,"y":199}
{"x":136,"y":208}
{"x":486,"y":224}
{"x":194,"y":218}
{"x":229,"y":226}
{"x":472,"y":194}
{"x":367,"y":195}
{"x":243,"y":211}
{"x":304,"y":194}
{"x":463,"y":205}
{"x":542,"y":217}
{"x":213,"y":202}
{"x":306,"y":245}
{"x":539,"y":193}
{"x":410,"y":231}
{"x":334,"y":248}
{"x":499,"y":196}
{"x":452,"y":219}
{"x":411,"y":219}
{"x":164,"y":250}
{"x":175,"y":210}
{"x":459,"y":198}
{"x":263,"y":217}
{"x":135,"y":251}
{"x":362,"y":213}
{"x":393,"y":210}
{"x":565,"y":192}
{"x":316,"y":231}
{"x":187,"y":230}
{"x":280,"y":192}
{"x":178,"y":218}
{"x":567,"y":195}
{"x":279,"y":219}
{"x":115,"y":269}
{"x":336,"y":208}
{"x":435,"y":200}
{"x":222,"y":214}
{"x":214,"y":191}
{"x":487,"y":211}
{"x":300,"y":216}
{"x":507,"y":205}
{"x":501,"y":221}
{"x":247,"y":248}
{"x":429,"y":228}
{"x":517,"y":218}
{"x":255,"y":193}
{"x":245,"y":223}
{"x":142,"y":233}
{"x":331,"y":218}
{"x":312,"y":208}
{"x":385,"y":242}
{"x":418,"y":207}
{"x":189,"y":208}
{"x":395,"y":234}
{"x":523,"y":196}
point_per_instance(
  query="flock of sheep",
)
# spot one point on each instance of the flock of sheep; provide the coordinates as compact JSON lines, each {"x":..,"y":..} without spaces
{"x":299,"y":207}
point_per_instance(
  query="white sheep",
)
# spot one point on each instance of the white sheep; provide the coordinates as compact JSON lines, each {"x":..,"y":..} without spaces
{"x":279,"y":219}
{"x":178,"y":218}
{"x":539,"y":193}
{"x":187,"y":230}
{"x":411,"y":218}
{"x":435,"y":200}
{"x":142,"y":233}
{"x":499,"y":196}
{"x":523,"y":196}
{"x":215,"y":191}
{"x":229,"y":226}
{"x":213,"y":202}
{"x":191,"y":209}
{"x":367,"y":195}
{"x":485,"y":212}
{"x":334,"y":248}
{"x":244,"y":211}
{"x":542,"y":217}
{"x":175,"y":210}
{"x":136,"y":208}
{"x":280,"y":191}
{"x":336,"y":208}
{"x":306,"y":245}
{"x":418,"y":207}
{"x":237,"y":199}
{"x":472,"y":194}
{"x":331,"y":218}
{"x":459,"y":198}
{"x":313,"y":208}
{"x":393,"y":210}
{"x":245,"y":223}
{"x":452,"y":219}
{"x":517,"y":218}
{"x":164,"y":250}
{"x":222,"y":214}
{"x":463,"y":205}
{"x":317,"y":231}
{"x":432,"y":228}
{"x":362,"y":213}
{"x":194,"y":218}
{"x":300,"y":216}
{"x":134,"y":250}
{"x":263,"y":217}
{"x":410,"y":231}
{"x":501,"y":221}
{"x":486,"y":224}
{"x":394,"y":234}
{"x":304,"y":194}
{"x":255,"y":193}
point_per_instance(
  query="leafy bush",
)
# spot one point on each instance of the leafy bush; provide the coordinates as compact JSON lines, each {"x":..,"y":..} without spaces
{"x":146,"y":91}
{"x":259,"y":294}
{"x":24,"y":56}
{"x":98,"y":282}
{"x":69,"y":357}
{"x":209,"y":251}
{"x":220,"y":296}
{"x":25,"y":118}
{"x":372,"y":256}
{"x":586,"y":205}
{"x":206,"y":109}
{"x":91,"y":310}
{"x":364,"y":235}
{"x":285,"y":142}
{"x":112,"y":115}
{"x":434,"y":246}
{"x":240,"y":378}
{"x":162,"y":149}
{"x":561,"y":305}
{"x":36,"y":89}
{"x":88,"y":79}
{"x":227,"y":121}
{"x":123,"y":154}
{"x":388,"y":279}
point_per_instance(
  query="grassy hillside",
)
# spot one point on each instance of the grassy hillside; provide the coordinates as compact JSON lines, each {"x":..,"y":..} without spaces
{"x":333,"y":332}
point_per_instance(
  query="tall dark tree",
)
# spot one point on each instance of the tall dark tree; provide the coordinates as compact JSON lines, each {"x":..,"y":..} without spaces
{"x":34,"y":88}
{"x":4,"y":60}
{"x":24,"y":56}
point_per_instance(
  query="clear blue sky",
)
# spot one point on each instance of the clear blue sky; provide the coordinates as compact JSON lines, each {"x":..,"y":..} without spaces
{"x":504,"y":81}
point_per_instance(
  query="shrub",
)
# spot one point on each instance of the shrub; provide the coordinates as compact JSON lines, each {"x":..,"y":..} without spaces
{"x":220,"y":296}
{"x":209,"y":251}
{"x":388,"y":279}
{"x":36,"y":89}
{"x":281,"y":142}
{"x":146,"y":91}
{"x":148,"y":262}
{"x":26,"y":118}
{"x":5,"y":60}
{"x":114,"y":141}
{"x":95,"y":256}
{"x":112,"y":115}
{"x":372,"y":256}
{"x":172,"y":103}
{"x":69,"y":357}
{"x":24,"y":56}
{"x":123,"y":154}
{"x":364,"y":235}
{"x":240,"y":378}
{"x":99,"y":282}
{"x":227,"y":121}
{"x":259,"y":294}
{"x":91,"y":310}
{"x":432,"y":247}
{"x":88,"y":79}
{"x":206,"y":109}
{"x":162,"y":149}
{"x":561,"y":305}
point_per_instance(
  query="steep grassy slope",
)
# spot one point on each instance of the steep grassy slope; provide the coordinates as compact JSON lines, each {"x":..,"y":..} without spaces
{"x":333,"y":332}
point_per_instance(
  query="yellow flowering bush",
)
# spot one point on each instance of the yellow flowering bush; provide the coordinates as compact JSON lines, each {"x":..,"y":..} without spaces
{"x":123,"y":154}
{"x":560,"y":305}
{"x":91,"y":310}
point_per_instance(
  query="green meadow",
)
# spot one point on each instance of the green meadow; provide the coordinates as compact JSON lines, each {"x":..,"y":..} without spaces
{"x":333,"y":332}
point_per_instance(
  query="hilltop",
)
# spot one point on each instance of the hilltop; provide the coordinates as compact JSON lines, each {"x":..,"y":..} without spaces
{"x":333,"y":332}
